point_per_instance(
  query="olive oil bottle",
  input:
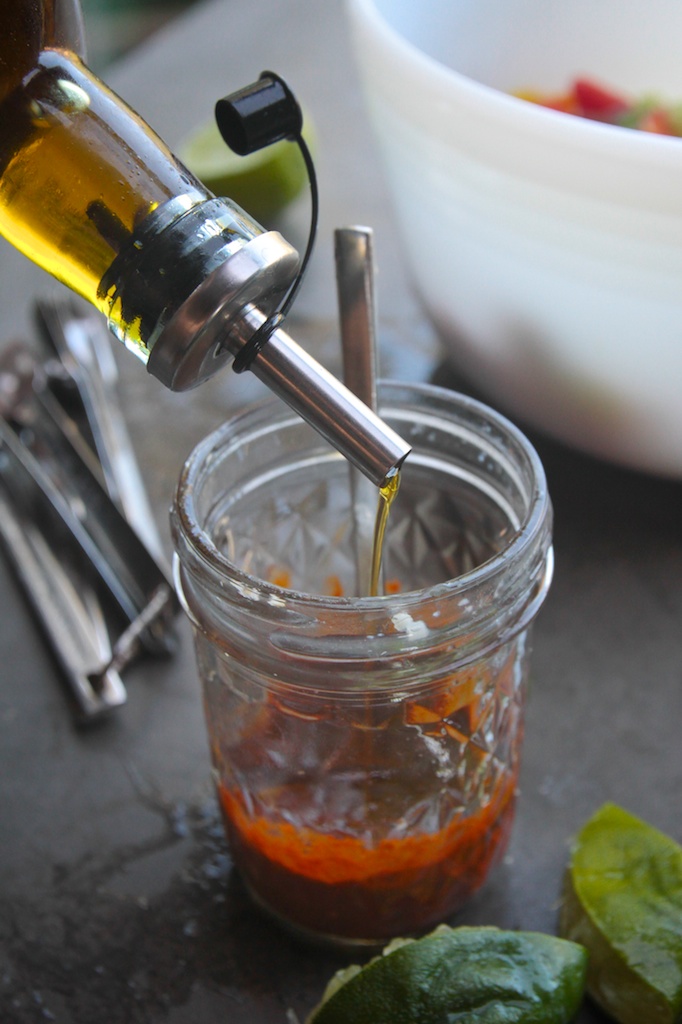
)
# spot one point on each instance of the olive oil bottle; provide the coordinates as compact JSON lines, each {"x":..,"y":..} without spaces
{"x":90,"y":193}
{"x":186,"y":280}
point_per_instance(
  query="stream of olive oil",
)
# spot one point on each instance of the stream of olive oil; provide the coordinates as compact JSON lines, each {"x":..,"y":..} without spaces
{"x":387,"y":494}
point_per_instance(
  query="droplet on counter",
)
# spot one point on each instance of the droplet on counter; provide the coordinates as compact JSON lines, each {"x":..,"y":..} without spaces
{"x":179,"y":821}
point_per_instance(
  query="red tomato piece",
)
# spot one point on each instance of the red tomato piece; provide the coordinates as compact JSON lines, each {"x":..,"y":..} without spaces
{"x":598,"y":102}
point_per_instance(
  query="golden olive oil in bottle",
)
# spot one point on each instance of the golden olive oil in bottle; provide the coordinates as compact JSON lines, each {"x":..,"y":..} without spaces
{"x":89,"y":192}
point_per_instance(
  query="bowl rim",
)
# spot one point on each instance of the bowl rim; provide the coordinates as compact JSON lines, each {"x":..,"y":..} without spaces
{"x":487,"y":101}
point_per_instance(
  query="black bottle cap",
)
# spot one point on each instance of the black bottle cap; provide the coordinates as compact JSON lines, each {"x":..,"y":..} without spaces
{"x":259,"y":114}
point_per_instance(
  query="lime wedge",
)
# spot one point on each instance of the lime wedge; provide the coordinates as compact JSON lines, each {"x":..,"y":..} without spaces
{"x":262,"y":183}
{"x":467,"y":975}
{"x":623,"y":901}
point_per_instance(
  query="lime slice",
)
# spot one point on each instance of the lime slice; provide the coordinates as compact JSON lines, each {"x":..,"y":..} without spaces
{"x":263,"y":183}
{"x":468,"y":975}
{"x":623,"y":901}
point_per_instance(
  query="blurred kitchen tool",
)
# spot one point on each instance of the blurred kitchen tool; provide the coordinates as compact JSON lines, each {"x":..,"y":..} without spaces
{"x":70,"y":614}
{"x":85,"y":569}
{"x":77,"y":335}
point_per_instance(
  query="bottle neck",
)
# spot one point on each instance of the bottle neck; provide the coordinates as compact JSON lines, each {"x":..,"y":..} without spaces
{"x":62,"y":24}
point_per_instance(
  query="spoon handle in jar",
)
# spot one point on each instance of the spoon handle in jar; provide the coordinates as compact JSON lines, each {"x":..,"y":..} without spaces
{"x":354,"y":255}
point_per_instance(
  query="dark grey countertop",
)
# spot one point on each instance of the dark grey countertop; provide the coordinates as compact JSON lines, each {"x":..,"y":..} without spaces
{"x":117,"y":902}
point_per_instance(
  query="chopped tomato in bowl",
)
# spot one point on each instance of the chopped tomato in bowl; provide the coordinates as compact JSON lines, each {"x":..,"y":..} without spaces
{"x":590,"y":99}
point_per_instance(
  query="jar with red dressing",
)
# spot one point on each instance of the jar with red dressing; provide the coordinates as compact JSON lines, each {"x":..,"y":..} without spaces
{"x":365,"y":750}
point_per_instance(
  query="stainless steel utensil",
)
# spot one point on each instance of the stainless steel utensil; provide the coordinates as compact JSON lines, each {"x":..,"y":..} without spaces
{"x":354,"y":254}
{"x":87,"y":573}
{"x":78,"y":337}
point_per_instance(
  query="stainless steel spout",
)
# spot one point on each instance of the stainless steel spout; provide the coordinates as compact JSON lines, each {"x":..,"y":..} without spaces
{"x":236,"y":283}
{"x":322,"y":400}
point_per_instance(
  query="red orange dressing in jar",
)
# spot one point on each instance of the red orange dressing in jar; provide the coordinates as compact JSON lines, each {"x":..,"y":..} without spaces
{"x":337,"y":853}
{"x":335,"y":884}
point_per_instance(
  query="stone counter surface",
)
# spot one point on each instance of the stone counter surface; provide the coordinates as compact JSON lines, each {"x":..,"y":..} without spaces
{"x":117,"y":901}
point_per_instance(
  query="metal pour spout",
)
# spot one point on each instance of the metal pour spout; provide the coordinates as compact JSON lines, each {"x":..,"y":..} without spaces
{"x":322,"y":400}
{"x":209,"y":316}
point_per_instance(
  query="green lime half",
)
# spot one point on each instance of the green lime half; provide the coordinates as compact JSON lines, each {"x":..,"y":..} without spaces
{"x":463,"y":975}
{"x":263,"y":183}
{"x":623,"y":901}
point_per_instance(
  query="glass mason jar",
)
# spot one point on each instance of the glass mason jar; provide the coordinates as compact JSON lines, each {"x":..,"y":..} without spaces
{"x":365,"y":749}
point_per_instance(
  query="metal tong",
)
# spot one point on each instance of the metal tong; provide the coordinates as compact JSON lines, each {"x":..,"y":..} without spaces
{"x":78,"y":346}
{"x":69,"y":486}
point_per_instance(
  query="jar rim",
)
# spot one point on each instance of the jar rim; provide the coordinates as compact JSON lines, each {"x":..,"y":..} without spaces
{"x":183,"y":511}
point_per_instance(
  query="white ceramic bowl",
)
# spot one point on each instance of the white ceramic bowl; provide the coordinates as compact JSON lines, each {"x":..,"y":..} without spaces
{"x":547,"y":249}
